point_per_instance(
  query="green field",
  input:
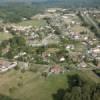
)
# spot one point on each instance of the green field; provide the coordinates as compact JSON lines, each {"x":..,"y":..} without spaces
{"x":32,"y":86}
{"x":5,"y":36}
{"x":34,"y":23}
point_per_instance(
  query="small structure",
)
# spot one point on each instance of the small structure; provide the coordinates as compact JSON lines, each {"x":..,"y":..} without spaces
{"x":62,"y":59}
{"x":5,"y":65}
{"x":70,"y":47}
{"x":82,"y":65}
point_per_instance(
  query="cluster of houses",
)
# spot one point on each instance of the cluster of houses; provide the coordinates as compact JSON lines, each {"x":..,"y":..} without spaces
{"x":47,"y":34}
{"x":16,"y":28}
{"x":95,"y":52}
{"x":56,"y":69}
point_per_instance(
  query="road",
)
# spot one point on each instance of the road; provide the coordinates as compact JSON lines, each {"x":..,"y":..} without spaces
{"x":91,"y":22}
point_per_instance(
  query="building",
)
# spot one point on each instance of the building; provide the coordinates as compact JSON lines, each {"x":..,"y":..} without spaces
{"x":56,"y":69}
{"x":62,"y":59}
{"x":5,"y":65}
{"x":82,"y":65}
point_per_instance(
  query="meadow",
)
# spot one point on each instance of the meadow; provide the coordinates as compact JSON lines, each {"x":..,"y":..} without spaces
{"x":32,"y":86}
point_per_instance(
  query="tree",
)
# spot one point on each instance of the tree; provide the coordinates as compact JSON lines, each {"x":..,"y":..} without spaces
{"x":85,"y":91}
{"x":17,"y":41}
{"x":95,"y":62}
{"x":75,"y":80}
{"x":76,"y":93}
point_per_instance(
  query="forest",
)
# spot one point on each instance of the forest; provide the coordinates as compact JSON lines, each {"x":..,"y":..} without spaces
{"x":15,"y":11}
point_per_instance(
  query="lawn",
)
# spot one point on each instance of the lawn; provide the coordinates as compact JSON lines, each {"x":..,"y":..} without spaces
{"x":34,"y":23}
{"x":5,"y":36}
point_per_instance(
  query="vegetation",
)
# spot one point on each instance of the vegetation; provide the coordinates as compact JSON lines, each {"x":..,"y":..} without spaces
{"x":15,"y":12}
{"x":79,"y":89}
{"x":3,"y":97}
{"x":33,"y":86}
{"x":17,"y":44}
{"x":34,"y":23}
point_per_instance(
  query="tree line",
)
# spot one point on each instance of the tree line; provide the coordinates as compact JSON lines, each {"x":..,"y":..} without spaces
{"x":79,"y":89}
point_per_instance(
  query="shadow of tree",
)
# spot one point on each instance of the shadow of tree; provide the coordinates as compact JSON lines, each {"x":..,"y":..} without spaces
{"x":73,"y":80}
{"x":4,"y":97}
{"x":59,"y":95}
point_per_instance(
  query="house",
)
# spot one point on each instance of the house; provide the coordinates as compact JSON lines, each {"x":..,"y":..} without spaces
{"x":82,"y":65}
{"x":70,"y":47}
{"x":75,"y":36}
{"x":95,"y":52}
{"x":75,"y":56}
{"x":62,"y":59}
{"x":51,"y":10}
{"x":5,"y":30}
{"x":56,"y":69}
{"x":5,"y":65}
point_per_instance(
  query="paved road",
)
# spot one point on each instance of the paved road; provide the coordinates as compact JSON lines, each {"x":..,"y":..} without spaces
{"x":90,"y":21}
{"x":93,"y":22}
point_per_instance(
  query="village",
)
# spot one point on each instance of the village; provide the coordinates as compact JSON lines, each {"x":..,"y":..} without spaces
{"x":39,"y":54}
{"x":62,"y":41}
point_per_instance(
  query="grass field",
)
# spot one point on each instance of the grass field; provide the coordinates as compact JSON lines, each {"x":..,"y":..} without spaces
{"x":31,"y":86}
{"x":34,"y":23}
{"x":90,"y":75}
{"x":5,"y":36}
{"x":34,"y":86}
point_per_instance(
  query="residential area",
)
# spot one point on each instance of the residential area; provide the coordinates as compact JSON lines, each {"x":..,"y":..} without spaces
{"x":49,"y":44}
